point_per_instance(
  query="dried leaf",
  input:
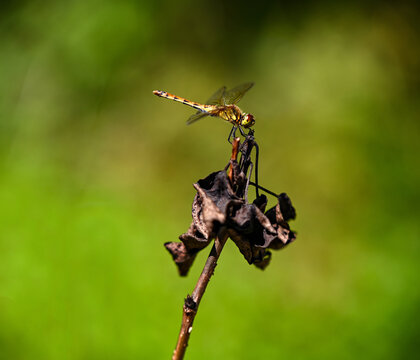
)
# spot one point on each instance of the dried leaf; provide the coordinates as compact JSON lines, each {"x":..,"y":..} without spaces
{"x":217,"y":203}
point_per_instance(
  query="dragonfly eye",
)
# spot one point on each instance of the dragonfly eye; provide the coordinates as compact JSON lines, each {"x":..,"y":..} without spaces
{"x":247,"y":121}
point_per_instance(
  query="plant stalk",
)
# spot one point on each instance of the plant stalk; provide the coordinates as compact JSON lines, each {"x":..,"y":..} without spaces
{"x":192,"y":302}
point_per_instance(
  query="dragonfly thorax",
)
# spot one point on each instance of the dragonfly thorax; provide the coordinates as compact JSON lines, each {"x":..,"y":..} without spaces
{"x":234,"y":115}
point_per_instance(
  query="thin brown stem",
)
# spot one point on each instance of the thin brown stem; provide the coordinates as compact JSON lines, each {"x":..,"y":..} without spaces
{"x":235,"y":147}
{"x":192,"y":302}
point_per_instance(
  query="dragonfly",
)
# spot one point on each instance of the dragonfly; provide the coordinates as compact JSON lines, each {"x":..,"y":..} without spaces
{"x":221,"y":104}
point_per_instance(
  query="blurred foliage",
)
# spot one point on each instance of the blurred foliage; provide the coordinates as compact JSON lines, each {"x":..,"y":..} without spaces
{"x":96,"y":174}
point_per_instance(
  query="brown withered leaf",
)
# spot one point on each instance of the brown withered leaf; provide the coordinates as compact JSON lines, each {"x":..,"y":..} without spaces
{"x":253,"y":231}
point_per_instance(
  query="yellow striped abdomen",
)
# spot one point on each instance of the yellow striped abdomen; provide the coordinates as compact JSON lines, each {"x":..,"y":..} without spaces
{"x":193,"y":104}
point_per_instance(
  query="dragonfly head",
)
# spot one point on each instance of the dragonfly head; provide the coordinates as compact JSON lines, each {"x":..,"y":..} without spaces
{"x":247,"y":121}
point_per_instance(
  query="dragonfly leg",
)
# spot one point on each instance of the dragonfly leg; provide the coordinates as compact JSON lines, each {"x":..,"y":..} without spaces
{"x":242,"y":132}
{"x":232,"y":134}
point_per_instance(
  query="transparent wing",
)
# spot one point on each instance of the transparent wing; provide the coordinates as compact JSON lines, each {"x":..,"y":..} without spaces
{"x":218,"y":97}
{"x":197,"y":116}
{"x":233,"y":96}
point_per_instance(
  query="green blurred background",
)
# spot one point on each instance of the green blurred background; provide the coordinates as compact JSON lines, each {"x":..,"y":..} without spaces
{"x":96,"y":174}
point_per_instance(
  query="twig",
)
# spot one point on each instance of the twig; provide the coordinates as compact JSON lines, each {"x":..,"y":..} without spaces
{"x":192,"y":302}
{"x":235,"y":148}
{"x":263,"y":189}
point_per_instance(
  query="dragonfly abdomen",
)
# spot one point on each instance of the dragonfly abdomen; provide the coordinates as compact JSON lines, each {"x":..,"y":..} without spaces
{"x":182,"y":100}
